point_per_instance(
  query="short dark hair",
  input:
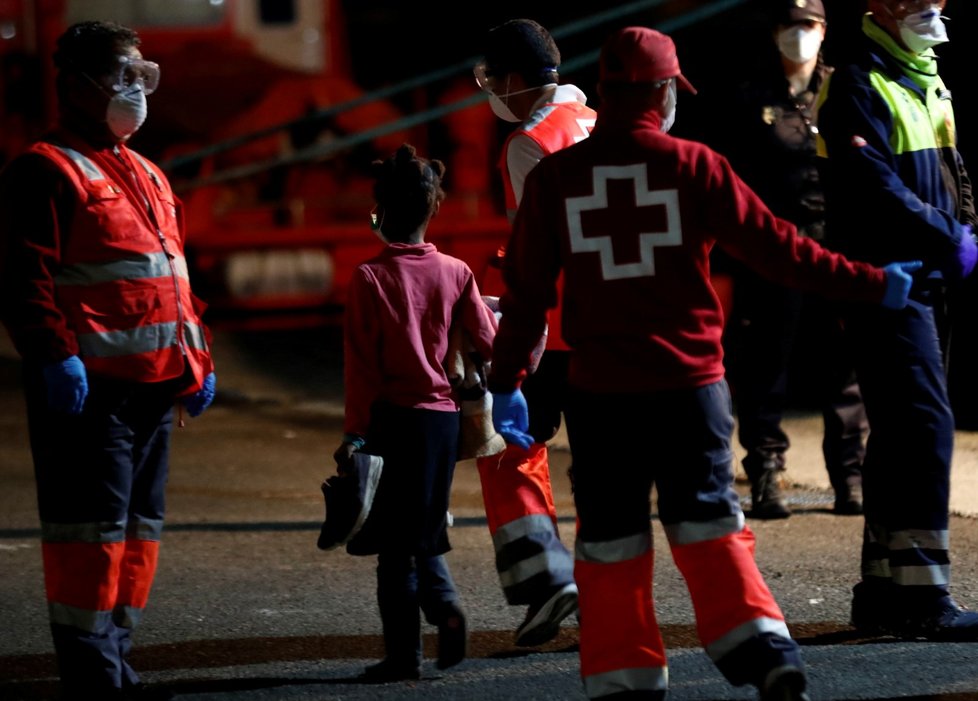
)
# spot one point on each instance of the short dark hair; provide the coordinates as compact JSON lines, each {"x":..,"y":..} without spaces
{"x":92,"y":47}
{"x":525,"y":47}
{"x":407,"y":188}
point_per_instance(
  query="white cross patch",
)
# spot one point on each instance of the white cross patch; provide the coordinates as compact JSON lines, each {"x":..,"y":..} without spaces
{"x":647,"y":241}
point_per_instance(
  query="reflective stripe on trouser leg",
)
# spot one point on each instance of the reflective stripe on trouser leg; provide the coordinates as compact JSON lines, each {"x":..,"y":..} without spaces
{"x":621,"y":648}
{"x":907,"y":468}
{"x":530,"y":558}
{"x":738,"y":621}
{"x":908,"y":558}
{"x":730,"y":598}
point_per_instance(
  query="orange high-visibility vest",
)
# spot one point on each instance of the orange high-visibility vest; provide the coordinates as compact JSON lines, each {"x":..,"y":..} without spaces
{"x":123,"y":284}
{"x":553,"y":127}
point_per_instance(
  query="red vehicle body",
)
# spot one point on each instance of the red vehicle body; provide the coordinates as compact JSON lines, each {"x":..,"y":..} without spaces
{"x":274,"y":230}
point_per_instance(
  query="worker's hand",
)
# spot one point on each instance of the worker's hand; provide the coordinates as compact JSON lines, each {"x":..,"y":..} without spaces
{"x":67,"y":385}
{"x":511,"y":418}
{"x":965,"y":256}
{"x":898,"y":283}
{"x":197,"y":402}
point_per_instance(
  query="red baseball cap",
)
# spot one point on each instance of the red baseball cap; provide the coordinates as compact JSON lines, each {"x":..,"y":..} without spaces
{"x":641,"y":55}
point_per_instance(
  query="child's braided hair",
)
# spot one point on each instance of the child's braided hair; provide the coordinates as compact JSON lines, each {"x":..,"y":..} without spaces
{"x":407,"y":190}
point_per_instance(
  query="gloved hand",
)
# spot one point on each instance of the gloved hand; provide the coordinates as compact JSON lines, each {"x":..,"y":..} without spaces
{"x":898,"y":283}
{"x":967,"y":254}
{"x":511,"y":418}
{"x":67,"y":385}
{"x":202,"y":398}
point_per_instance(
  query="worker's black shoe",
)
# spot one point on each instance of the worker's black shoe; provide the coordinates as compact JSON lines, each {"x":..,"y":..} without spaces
{"x":952,"y":623}
{"x":767,"y":501}
{"x":849,"y":498}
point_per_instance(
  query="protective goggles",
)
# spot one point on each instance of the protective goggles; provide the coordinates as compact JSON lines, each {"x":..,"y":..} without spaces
{"x":906,"y":7}
{"x":482,"y":76}
{"x":136,"y":70}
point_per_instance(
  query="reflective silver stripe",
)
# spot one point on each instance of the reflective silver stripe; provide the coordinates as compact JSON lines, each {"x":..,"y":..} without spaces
{"x":145,"y":528}
{"x":688,"y":532}
{"x":140,"y":266}
{"x":634,"y":679}
{"x":912,"y":539}
{"x":90,"y":621}
{"x":194,"y":336}
{"x":104,"y":532}
{"x":922,"y":575}
{"x":87,"y":166}
{"x":718,"y":648}
{"x":620,"y":550}
{"x":142,"y":339}
{"x":521,"y":528}
{"x":127,"y":616}
{"x":149,"y":171}
{"x":521,"y":571}
{"x":877,"y":568}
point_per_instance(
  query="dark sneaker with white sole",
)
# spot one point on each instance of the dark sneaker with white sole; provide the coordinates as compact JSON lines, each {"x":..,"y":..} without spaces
{"x":787,"y":683}
{"x":542,"y":623}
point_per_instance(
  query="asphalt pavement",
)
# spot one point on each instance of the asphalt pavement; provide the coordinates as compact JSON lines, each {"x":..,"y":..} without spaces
{"x":245,"y":607}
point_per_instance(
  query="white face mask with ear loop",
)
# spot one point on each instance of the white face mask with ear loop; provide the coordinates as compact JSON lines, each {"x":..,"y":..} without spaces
{"x":669,"y":118}
{"x":501,"y":109}
{"x":922,"y":30}
{"x":799,"y":43}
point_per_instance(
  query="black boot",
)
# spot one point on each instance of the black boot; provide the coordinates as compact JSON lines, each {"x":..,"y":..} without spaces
{"x":767,"y":501}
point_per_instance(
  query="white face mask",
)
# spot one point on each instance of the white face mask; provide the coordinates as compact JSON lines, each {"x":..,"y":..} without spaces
{"x":800,"y":44}
{"x":669,"y":118}
{"x":126,"y":112}
{"x":922,"y":30}
{"x":501,"y":109}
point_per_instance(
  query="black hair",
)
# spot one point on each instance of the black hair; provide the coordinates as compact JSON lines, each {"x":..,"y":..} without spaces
{"x":92,"y":47}
{"x":525,"y":47}
{"x":407,"y":189}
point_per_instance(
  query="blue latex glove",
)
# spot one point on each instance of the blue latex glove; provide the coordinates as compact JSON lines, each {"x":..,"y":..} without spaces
{"x":67,"y":385}
{"x":202,"y":398}
{"x":898,"y":283}
{"x":511,"y":418}
{"x":967,"y":254}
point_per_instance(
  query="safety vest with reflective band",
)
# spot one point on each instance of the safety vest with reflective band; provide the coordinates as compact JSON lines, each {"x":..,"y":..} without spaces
{"x":123,"y":283}
{"x":553,"y":127}
{"x":97,"y":573}
{"x":621,"y":646}
{"x":878,"y":125}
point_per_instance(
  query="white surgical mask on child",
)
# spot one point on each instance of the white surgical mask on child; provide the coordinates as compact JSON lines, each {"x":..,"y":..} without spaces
{"x":922,"y":30}
{"x":799,"y":43}
{"x":126,"y":112}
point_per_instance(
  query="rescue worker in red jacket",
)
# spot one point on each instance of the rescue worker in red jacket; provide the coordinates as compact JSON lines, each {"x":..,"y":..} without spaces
{"x":96,"y":298}
{"x":519,"y":72}
{"x":629,"y":216}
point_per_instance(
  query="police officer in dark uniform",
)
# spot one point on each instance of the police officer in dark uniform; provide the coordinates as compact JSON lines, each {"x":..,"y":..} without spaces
{"x":769,"y":136}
